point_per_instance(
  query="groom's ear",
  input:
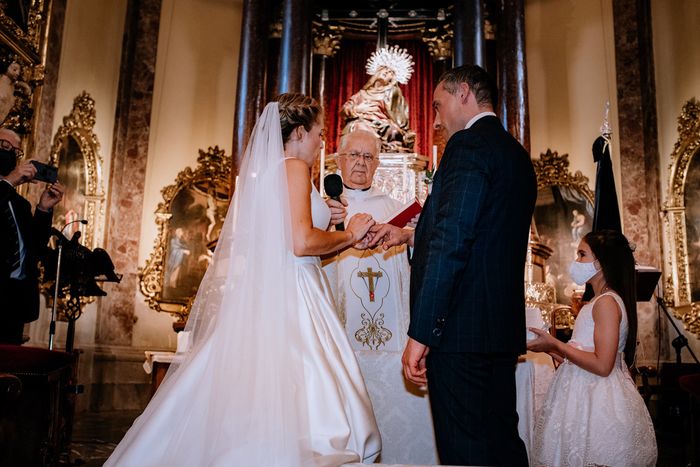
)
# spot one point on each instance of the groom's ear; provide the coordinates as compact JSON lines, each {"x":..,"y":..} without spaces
{"x":464,"y":91}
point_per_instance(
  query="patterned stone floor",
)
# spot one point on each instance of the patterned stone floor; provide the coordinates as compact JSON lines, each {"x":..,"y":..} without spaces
{"x":96,"y":434}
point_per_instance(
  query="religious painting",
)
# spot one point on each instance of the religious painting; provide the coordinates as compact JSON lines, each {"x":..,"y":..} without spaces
{"x":198,"y":214}
{"x":71,"y":173}
{"x":563,"y":216}
{"x":681,"y":222}
{"x":189,"y":221}
{"x":692,"y":225}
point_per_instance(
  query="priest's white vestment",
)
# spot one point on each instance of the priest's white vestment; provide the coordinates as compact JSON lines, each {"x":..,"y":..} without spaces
{"x":372,"y":292}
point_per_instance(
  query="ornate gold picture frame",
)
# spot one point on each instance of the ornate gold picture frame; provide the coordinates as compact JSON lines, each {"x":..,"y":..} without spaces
{"x":563,"y":215}
{"x":681,"y":221}
{"x":23,"y":39}
{"x":76,"y":153}
{"x":22,"y":26}
{"x":189,"y":220}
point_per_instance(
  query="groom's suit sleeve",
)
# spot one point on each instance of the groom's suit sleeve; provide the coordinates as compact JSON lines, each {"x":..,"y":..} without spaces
{"x":459,"y":205}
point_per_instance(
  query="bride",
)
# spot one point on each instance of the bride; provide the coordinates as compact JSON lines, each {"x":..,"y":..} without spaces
{"x":270,"y":378}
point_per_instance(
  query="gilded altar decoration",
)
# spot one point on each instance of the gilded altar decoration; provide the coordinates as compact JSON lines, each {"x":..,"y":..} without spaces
{"x":380,"y":106}
{"x":327,"y":39}
{"x":439,"y":41}
{"x":681,"y":222}
{"x":189,"y":220}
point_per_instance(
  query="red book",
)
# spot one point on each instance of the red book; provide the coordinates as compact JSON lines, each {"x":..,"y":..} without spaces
{"x":404,"y":215}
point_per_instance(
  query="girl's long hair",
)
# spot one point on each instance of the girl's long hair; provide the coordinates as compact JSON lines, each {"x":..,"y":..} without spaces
{"x":613,"y":252}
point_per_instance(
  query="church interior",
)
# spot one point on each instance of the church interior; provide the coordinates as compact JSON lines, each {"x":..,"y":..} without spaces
{"x":145,"y":108}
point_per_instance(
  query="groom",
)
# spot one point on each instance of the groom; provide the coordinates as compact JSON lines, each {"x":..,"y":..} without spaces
{"x":467,"y":299}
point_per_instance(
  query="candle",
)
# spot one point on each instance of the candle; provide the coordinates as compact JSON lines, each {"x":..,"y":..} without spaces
{"x":322,"y":167}
{"x":434,"y":157}
{"x":405,"y":178}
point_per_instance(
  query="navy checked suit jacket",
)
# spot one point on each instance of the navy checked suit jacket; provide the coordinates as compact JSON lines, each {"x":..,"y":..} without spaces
{"x":467,"y":273}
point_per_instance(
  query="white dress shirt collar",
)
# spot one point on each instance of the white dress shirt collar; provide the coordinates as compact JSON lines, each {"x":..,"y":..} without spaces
{"x":477,"y":117}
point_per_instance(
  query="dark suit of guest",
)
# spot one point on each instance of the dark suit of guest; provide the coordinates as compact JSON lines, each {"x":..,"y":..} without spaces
{"x":467,"y":292}
{"x":19,"y":297}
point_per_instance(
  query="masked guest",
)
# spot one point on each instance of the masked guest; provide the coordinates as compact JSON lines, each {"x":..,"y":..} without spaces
{"x":23,"y":235}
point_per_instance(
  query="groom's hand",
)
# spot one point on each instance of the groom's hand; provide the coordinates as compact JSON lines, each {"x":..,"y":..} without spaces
{"x":389,"y":235}
{"x":414,"y":362}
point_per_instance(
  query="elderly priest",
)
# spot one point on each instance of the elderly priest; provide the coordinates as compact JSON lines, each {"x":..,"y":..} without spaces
{"x":371,"y":288}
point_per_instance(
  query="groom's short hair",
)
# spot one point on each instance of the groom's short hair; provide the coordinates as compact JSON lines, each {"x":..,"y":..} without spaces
{"x":478,"y":80}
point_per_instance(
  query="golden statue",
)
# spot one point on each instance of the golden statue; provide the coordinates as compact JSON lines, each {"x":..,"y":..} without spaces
{"x":380,"y":106}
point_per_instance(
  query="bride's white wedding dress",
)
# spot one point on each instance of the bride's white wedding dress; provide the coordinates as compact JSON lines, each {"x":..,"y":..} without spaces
{"x":270,"y":379}
{"x":591,"y":420}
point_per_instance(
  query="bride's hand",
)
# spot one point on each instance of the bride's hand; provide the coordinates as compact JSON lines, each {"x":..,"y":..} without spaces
{"x":359,"y":225}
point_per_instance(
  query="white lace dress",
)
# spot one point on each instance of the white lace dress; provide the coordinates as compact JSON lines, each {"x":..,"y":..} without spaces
{"x":590,"y":420}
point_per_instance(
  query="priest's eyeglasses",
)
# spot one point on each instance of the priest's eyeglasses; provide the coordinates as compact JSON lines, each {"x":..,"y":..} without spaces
{"x":355,"y":156}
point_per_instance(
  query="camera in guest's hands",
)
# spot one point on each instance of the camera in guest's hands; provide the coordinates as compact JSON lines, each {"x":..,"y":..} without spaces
{"x":44,"y":172}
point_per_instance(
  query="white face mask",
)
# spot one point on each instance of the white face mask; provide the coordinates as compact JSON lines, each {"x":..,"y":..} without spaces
{"x":582,"y":272}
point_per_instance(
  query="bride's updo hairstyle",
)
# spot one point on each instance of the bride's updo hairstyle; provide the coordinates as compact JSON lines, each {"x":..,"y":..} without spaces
{"x":297,"y":110}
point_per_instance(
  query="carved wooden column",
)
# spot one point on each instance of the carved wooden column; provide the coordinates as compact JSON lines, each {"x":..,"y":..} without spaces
{"x":468,"y":46}
{"x":115,"y":318}
{"x":295,"y":47}
{"x":513,"y":103}
{"x":251,"y":76}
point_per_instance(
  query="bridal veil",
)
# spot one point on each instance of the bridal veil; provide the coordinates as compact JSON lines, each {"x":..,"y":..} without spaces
{"x":239,"y":391}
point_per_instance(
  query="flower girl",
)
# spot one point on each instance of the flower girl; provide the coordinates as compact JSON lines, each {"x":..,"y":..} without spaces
{"x":593,"y":414}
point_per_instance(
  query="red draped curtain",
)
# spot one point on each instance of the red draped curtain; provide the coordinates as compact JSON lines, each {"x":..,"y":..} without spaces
{"x":346,"y":75}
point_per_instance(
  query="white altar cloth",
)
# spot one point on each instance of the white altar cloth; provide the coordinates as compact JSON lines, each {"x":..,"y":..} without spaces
{"x":533,"y":376}
{"x":159,"y":357}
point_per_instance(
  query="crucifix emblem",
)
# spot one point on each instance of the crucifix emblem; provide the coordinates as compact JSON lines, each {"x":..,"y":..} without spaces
{"x":370,"y":276}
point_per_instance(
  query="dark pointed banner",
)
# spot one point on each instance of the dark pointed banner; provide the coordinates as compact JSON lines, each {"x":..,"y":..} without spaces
{"x":606,"y":212}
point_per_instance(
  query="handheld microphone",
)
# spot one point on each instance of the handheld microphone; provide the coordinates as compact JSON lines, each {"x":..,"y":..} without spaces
{"x":333,"y":186}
